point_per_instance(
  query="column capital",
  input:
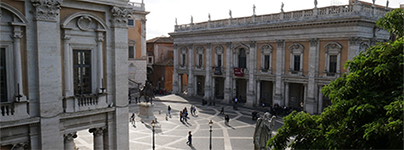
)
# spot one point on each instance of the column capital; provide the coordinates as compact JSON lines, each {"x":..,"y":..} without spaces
{"x":253,"y":44}
{"x":16,"y":36}
{"x":70,"y":136}
{"x":209,"y":45}
{"x":96,"y":131}
{"x":66,"y":37}
{"x":313,"y":42}
{"x":354,"y":40}
{"x":280,"y":42}
{"x":175,"y":46}
{"x":229,"y":44}
{"x":191,"y":46}
{"x":46,"y":10}
{"x":120,"y":17}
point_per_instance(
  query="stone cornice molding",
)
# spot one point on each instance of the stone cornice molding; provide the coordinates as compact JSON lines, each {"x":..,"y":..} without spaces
{"x":296,"y":48}
{"x":266,"y":48}
{"x":46,"y":10}
{"x":120,"y":17}
{"x":313,"y":42}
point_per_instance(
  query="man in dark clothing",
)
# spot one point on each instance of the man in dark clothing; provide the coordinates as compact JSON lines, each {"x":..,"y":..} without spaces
{"x":189,"y":142}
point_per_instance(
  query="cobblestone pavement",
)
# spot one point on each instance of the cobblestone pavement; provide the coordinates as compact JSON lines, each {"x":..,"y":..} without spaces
{"x":171,"y":134}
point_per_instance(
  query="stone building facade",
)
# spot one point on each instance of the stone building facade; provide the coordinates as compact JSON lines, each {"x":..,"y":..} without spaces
{"x":62,"y":71}
{"x":283,"y":58}
{"x":160,"y":63}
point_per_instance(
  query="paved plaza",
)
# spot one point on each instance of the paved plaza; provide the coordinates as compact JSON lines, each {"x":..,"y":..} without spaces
{"x":171,"y":133}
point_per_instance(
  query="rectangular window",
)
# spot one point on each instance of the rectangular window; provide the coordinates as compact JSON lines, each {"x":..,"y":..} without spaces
{"x":150,"y":60}
{"x":183,"y":60}
{"x":131,"y":52}
{"x":131,"y":22}
{"x":200,"y":60}
{"x":296,"y":66}
{"x":219,"y":60}
{"x":266,"y":62}
{"x":3,"y":76}
{"x":333,"y":64}
{"x":82,"y":72}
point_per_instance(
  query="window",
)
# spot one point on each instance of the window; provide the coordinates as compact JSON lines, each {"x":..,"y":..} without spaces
{"x":82,"y":71}
{"x":3,"y":76}
{"x":131,"y":52}
{"x":183,"y":60}
{"x":242,"y":59}
{"x":266,"y":62}
{"x":219,"y":60}
{"x":333,"y":63}
{"x":296,"y":65}
{"x":131,"y":22}
{"x":200,"y":60}
{"x":150,"y":60}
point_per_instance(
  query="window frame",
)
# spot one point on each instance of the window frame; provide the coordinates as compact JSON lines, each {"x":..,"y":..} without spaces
{"x":296,"y":49}
{"x":183,"y":57}
{"x":332,"y":48}
{"x":266,"y":50}
{"x":199,"y":58}
{"x":10,"y":80}
{"x":133,"y":22}
{"x":131,"y":56}
{"x":90,"y":82}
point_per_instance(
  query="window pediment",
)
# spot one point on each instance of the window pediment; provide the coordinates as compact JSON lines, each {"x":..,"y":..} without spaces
{"x":183,"y":50}
{"x":266,"y":49}
{"x":296,"y":48}
{"x":333,"y":48}
{"x":199,"y":50}
{"x":219,"y":50}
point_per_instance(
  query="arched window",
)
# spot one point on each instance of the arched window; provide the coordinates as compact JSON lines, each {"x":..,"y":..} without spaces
{"x":183,"y":57}
{"x":199,"y":58}
{"x":296,"y":58}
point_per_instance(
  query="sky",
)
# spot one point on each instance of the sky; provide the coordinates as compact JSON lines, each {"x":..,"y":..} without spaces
{"x":161,"y":19}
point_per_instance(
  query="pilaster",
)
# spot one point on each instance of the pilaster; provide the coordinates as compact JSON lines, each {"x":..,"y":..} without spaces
{"x":353,"y":47}
{"x":191,"y":80}
{"x":208,"y":68}
{"x":98,"y":140}
{"x":175,"y":75}
{"x":313,"y":69}
{"x":228,"y":80}
{"x":251,"y":97}
{"x":280,"y":53}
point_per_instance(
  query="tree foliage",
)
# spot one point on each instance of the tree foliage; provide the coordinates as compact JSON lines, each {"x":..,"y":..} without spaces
{"x":367,"y":104}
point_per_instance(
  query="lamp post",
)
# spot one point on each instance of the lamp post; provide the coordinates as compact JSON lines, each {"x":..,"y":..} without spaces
{"x":210,"y":130}
{"x":153,"y":124}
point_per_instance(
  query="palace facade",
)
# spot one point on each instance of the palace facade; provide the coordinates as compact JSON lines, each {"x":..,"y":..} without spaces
{"x":63,"y":69}
{"x":283,"y":58}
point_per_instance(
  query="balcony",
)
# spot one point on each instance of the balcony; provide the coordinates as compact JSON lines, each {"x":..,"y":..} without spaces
{"x":11,"y":111}
{"x":218,"y":70}
{"x":84,"y":102}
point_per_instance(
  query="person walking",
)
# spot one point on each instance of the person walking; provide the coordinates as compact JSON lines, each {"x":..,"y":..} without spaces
{"x":222,"y":111}
{"x":169,"y":110}
{"x":189,"y":142}
{"x":132,"y":118}
{"x":226,"y":119}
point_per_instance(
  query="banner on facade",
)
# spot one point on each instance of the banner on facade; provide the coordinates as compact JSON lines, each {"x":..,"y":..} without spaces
{"x":238,"y":72}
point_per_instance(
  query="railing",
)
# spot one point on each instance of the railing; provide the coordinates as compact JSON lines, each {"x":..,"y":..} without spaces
{"x":137,"y":6}
{"x":84,"y":102}
{"x":11,"y":111}
{"x":325,"y":12}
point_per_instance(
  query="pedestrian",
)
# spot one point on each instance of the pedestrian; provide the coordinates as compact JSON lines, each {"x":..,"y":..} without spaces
{"x":254,"y":115}
{"x":181,"y":116}
{"x":132,"y":118}
{"x":169,"y":111}
{"x":227,"y":118}
{"x":189,"y":142}
{"x":235,"y":103}
{"x":222,"y":111}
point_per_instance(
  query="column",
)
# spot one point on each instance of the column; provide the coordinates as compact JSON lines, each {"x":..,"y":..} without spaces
{"x":251,"y":98}
{"x":69,"y":140}
{"x":119,"y":77}
{"x":190,"y":70}
{"x":100,"y":63}
{"x":305,"y":97}
{"x":353,"y":47}
{"x":310,"y":102}
{"x":208,"y":69}
{"x":47,"y":49}
{"x":175,"y":75}
{"x":286,"y":94}
{"x":98,"y":139}
{"x":67,"y":65}
{"x":280,"y":51}
{"x":17,"y":62}
{"x":258,"y":96}
{"x":320,"y":99}
{"x":228,"y":80}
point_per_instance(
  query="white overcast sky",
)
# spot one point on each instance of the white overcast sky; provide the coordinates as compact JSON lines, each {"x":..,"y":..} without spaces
{"x":161,"y":19}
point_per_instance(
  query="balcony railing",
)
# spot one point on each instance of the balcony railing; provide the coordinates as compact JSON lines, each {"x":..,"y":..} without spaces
{"x":13,"y":111}
{"x":85,"y":102}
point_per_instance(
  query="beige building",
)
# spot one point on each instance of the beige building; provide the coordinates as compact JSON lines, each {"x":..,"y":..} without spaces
{"x":61,"y":71}
{"x":283,"y":58}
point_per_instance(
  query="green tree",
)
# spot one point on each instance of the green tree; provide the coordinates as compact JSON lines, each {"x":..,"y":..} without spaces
{"x":367,"y":104}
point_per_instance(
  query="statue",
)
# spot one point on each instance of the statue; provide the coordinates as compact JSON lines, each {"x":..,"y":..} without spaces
{"x":209,"y":16}
{"x":254,"y":9}
{"x":315,"y":3}
{"x":263,"y":129}
{"x":374,"y":2}
{"x":230,"y":13}
{"x":282,"y":7}
{"x":147,"y":92}
{"x":387,"y":4}
{"x":176,"y":21}
{"x":192,"y":20}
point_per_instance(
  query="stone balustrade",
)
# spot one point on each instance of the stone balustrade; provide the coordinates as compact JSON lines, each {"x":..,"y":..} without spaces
{"x":13,"y":111}
{"x":87,"y":102}
{"x":324,"y":12}
{"x":137,"y":6}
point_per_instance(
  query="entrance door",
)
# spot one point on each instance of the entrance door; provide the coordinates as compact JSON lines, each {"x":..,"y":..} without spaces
{"x":241,"y":90}
{"x":266,"y":93}
{"x":219,"y":88}
{"x":200,"y":85}
{"x":296,"y":93}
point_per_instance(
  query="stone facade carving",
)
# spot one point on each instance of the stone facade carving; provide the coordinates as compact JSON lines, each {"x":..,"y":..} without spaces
{"x":70,"y":136}
{"x":280,"y":43}
{"x":266,"y":48}
{"x":84,"y":22}
{"x":354,"y":40}
{"x":219,"y":49}
{"x":46,"y":10}
{"x":120,"y":17}
{"x":296,"y":48}
{"x":314,"y":42}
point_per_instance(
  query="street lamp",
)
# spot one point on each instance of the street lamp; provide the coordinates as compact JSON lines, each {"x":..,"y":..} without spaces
{"x":210,"y":139}
{"x":153,"y":124}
